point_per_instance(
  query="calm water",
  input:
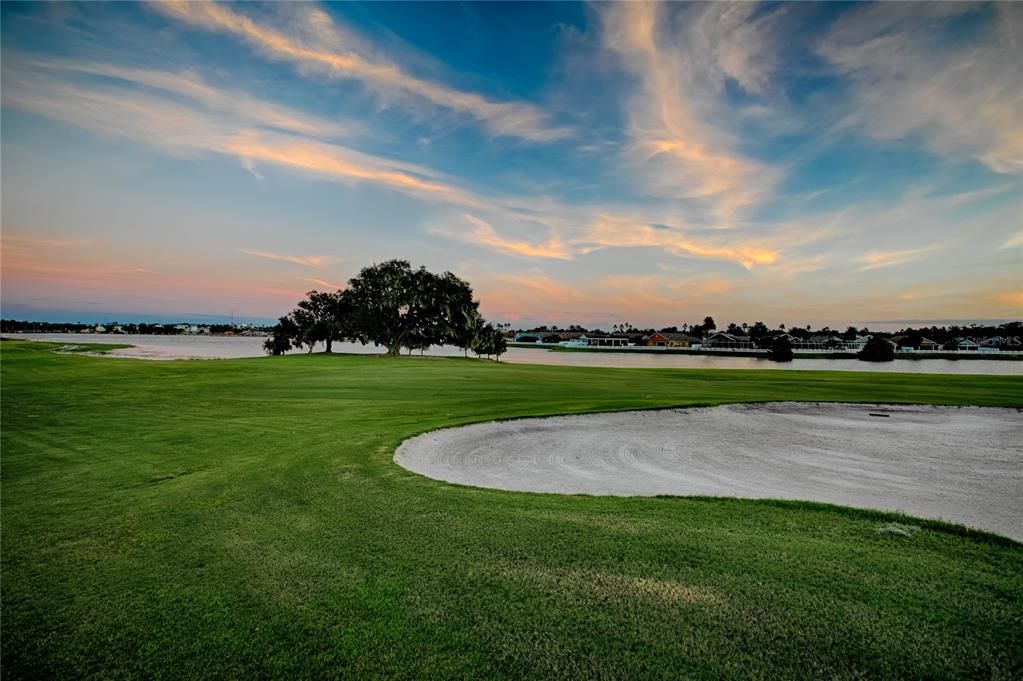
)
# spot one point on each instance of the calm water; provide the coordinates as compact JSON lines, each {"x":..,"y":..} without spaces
{"x":220,"y":347}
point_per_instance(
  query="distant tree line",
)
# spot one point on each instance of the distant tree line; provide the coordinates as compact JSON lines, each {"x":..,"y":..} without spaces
{"x":392,"y":305}
{"x":759,"y":331}
{"x":115,"y":327}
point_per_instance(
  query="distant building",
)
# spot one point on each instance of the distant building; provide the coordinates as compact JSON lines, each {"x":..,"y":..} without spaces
{"x":670,"y":340}
{"x":858,"y":343}
{"x":721,"y":339}
{"x":583,"y":341}
{"x":966,"y":344}
{"x":604,"y":341}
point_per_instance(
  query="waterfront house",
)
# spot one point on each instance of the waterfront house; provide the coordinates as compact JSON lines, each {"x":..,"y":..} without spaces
{"x":727,"y":340}
{"x":602,"y":341}
{"x":928,"y":344}
{"x":819,"y":343}
{"x":670,"y":340}
{"x":857,"y":344}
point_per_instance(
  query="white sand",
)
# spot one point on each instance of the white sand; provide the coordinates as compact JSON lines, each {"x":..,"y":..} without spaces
{"x":959,"y":464}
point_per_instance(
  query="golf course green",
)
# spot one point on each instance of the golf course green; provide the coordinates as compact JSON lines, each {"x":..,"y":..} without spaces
{"x":245,"y":519}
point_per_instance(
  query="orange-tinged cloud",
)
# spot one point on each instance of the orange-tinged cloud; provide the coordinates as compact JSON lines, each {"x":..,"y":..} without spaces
{"x":482,"y":233}
{"x":615,"y":232}
{"x":321,"y":282}
{"x":307,"y":261}
{"x":878,"y":259}
{"x":335,"y":162}
{"x":678,"y":148}
{"x":184,"y":130}
{"x":1014,"y":241}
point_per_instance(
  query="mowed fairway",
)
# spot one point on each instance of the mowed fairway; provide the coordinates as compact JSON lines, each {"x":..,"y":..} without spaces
{"x":244,"y":519}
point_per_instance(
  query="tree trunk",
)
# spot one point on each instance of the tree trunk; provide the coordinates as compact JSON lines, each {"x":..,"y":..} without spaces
{"x":329,"y":341}
{"x":394,"y":350}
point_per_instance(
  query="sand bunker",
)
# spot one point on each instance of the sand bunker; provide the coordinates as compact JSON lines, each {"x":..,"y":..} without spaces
{"x":959,"y":464}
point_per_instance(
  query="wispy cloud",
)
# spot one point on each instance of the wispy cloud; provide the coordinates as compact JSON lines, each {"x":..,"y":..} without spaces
{"x":331,"y":51}
{"x":591,"y":230}
{"x":1014,"y":241}
{"x":340,"y":163}
{"x":611,"y":231}
{"x":242,"y":107}
{"x":306,"y":260}
{"x":188,"y":130}
{"x":321,"y":282}
{"x":961,"y":97}
{"x":482,"y":233}
{"x":11,"y":240}
{"x":681,"y":57}
{"x":878,"y":259}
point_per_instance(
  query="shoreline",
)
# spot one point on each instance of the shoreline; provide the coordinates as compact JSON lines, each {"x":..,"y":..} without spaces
{"x":797,"y":354}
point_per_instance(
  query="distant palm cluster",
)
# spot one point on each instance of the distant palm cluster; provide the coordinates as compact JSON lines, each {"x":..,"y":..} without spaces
{"x":393,"y":306}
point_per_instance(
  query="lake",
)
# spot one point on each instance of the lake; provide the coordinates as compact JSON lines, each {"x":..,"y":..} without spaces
{"x":235,"y":347}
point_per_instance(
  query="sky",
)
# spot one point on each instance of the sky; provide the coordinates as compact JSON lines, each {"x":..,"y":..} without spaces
{"x":576,"y":163}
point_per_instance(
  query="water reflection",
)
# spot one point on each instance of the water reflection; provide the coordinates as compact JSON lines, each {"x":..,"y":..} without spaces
{"x":221,"y":347}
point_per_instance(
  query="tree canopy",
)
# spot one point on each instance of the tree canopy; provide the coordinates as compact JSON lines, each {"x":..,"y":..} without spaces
{"x":392,"y":305}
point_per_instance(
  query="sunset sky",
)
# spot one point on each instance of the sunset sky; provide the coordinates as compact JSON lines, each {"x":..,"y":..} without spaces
{"x":577,"y":163}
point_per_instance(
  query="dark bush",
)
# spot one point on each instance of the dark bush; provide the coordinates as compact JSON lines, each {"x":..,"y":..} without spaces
{"x":781,"y":350}
{"x":877,"y":350}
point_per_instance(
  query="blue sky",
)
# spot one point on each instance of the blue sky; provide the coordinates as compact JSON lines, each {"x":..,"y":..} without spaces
{"x":588,"y":163}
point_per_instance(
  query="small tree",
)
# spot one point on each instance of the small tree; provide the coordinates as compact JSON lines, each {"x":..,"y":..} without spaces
{"x":877,"y":349}
{"x":483,"y":341}
{"x":781,"y":350}
{"x":708,"y":323}
{"x":324,"y":317}
{"x":499,"y":344}
{"x":283,"y":337}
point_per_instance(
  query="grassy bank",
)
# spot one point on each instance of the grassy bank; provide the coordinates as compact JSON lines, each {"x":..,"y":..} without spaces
{"x":244,"y":518}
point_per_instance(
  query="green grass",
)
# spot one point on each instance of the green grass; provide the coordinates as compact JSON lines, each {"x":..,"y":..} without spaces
{"x":244,"y":518}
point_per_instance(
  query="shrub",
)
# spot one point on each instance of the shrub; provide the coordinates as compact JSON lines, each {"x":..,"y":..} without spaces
{"x":781,"y":350}
{"x":877,"y":350}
